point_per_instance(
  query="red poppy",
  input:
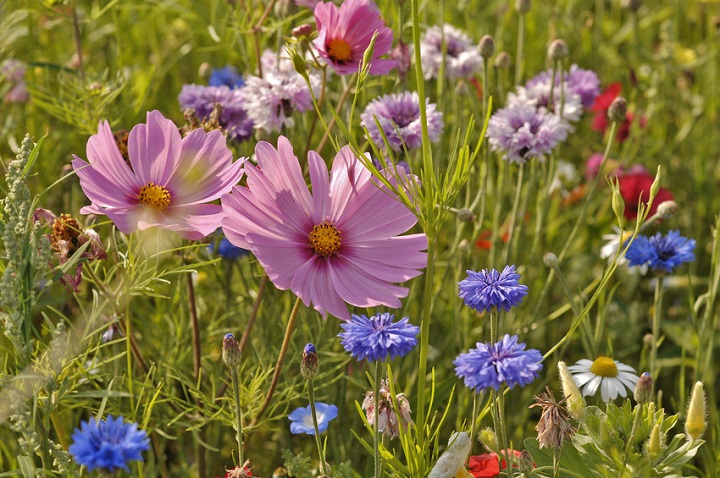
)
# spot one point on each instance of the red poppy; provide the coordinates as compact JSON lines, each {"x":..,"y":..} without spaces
{"x":487,"y":465}
{"x":635,"y":188}
{"x":484,"y":239}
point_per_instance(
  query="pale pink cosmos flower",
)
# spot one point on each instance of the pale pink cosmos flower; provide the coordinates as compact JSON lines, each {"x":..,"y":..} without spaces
{"x":345,"y":33}
{"x":168,"y":182}
{"x":336,"y":245}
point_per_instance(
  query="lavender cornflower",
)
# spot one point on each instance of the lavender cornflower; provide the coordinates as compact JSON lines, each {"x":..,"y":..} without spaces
{"x":271,"y":100}
{"x":378,"y":337}
{"x":227,"y":76}
{"x":108,"y":444}
{"x":661,"y":253}
{"x":584,"y":83}
{"x":505,"y":362}
{"x":489,"y":289}
{"x":234,"y":118}
{"x":538,"y":96}
{"x":463,"y":56}
{"x":399,"y":118}
{"x":13,"y":71}
{"x":523,"y":133}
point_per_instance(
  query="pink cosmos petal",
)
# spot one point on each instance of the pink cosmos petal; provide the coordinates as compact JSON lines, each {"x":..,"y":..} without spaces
{"x":279,"y":258}
{"x":362,"y":290}
{"x":154,"y":149}
{"x":377,"y":256}
{"x":324,"y":296}
{"x":347,"y":179}
{"x":320,"y":187}
{"x":125,"y":219}
{"x":99,"y":188}
{"x":103,"y":153}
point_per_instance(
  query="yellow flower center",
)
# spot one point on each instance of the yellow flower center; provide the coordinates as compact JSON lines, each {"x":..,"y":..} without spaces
{"x":604,"y":367}
{"x":324,"y":239}
{"x":339,"y":50}
{"x":154,"y":196}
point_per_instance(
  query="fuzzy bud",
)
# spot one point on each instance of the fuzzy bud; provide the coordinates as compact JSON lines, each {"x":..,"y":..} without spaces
{"x":304,"y":30}
{"x":644,"y":389}
{"x":503,"y":61}
{"x":525,"y":462}
{"x":550,"y":259}
{"x":558,"y":50}
{"x":695,"y":423}
{"x":231,"y":351}
{"x":522,"y":6}
{"x":667,"y":209}
{"x":574,"y":400}
{"x":617,"y":113}
{"x":309,"y":364}
{"x":653,"y":447}
{"x":465,"y":215}
{"x":489,"y":439}
{"x":487,"y":47}
{"x":454,"y":457}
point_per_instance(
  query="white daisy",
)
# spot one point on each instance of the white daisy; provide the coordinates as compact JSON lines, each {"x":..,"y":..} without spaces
{"x":605,"y":374}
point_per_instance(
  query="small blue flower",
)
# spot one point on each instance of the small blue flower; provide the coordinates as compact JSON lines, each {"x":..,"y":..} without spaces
{"x":661,"y":253}
{"x":485,"y":290}
{"x":302,"y":421}
{"x":227,"y":76}
{"x":491,"y":365}
{"x":227,"y":250}
{"x":108,"y":444}
{"x":378,"y":337}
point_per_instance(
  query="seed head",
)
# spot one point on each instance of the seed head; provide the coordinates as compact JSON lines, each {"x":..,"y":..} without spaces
{"x":554,"y":425}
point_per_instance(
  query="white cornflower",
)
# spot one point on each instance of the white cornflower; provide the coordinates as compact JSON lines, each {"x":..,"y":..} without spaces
{"x":609,"y":376}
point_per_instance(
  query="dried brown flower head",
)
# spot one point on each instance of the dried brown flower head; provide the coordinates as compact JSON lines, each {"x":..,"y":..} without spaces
{"x":554,"y":425}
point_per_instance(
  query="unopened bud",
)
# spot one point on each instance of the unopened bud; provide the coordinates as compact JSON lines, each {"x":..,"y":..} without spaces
{"x":667,"y":209}
{"x":231,"y":351}
{"x":525,"y":462}
{"x":558,"y":50}
{"x":617,"y":112}
{"x":489,"y":439}
{"x":522,"y":6}
{"x":574,"y":400}
{"x":304,"y":30}
{"x":695,"y":423}
{"x":644,"y":389}
{"x":464,"y":245}
{"x":205,"y":70}
{"x":465,"y":215}
{"x":309,"y":365}
{"x":550,"y":259}
{"x":617,"y":201}
{"x":653,"y":446}
{"x":503,"y":60}
{"x":487,"y":47}
{"x":648,"y":339}
{"x":632,"y":5}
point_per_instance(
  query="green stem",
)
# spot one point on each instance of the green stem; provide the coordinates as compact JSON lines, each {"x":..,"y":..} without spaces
{"x":657,"y":314}
{"x":633,"y":432}
{"x":513,"y":214}
{"x":493,"y":325}
{"x":321,"y":453}
{"x":238,"y":414}
{"x":376,"y":425}
{"x":502,"y":432}
{"x":556,"y":462}
{"x":473,"y":428}
{"x":521,"y":41}
{"x":425,"y":341}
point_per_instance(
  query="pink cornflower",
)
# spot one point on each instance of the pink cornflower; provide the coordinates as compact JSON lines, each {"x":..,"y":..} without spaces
{"x":168,"y":182}
{"x":344,"y":34}
{"x":333,"y":246}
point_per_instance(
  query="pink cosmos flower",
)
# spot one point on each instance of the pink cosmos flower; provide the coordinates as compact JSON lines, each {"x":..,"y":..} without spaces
{"x":335,"y":245}
{"x":168,"y":182}
{"x":344,"y":34}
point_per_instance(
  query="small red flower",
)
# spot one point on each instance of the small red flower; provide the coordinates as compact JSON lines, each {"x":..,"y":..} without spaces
{"x":635,"y":188}
{"x":488,"y":465}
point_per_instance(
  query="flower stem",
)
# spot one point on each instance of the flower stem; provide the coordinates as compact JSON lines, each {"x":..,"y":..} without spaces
{"x":425,"y":341}
{"x":253,"y":314}
{"x":513,"y":214}
{"x":321,"y":453}
{"x":520,"y":42}
{"x":633,"y":432}
{"x":473,"y":428}
{"x":376,"y":425}
{"x":238,"y":413}
{"x":195,"y":329}
{"x":657,"y":313}
{"x":500,"y":403}
{"x":280,"y":360}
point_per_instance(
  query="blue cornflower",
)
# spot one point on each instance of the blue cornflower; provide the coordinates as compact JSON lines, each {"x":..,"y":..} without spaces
{"x":491,"y":365}
{"x":661,"y":253}
{"x":108,"y":444}
{"x":227,"y":250}
{"x":378,"y":337}
{"x":302,"y":421}
{"x":227,"y":76}
{"x":485,"y":290}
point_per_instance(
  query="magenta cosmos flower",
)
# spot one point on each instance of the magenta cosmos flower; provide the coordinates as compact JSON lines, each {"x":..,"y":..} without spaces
{"x":345,"y":33}
{"x":333,"y":246}
{"x":168,"y":182}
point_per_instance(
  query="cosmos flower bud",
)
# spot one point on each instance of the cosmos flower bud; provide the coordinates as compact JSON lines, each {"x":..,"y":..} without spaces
{"x":502,"y":61}
{"x":617,"y":112}
{"x":644,"y":389}
{"x":653,"y":447}
{"x":309,"y":364}
{"x":573,"y":398}
{"x":489,"y":439}
{"x":550,"y":259}
{"x":525,"y":462}
{"x":303,"y":30}
{"x":522,"y":6}
{"x":667,"y":209}
{"x":231,"y":351}
{"x":487,"y":47}
{"x":558,"y":50}
{"x":695,"y":423}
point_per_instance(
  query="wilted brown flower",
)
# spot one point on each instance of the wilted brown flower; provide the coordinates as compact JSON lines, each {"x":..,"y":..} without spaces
{"x":554,"y":425}
{"x":388,"y":422}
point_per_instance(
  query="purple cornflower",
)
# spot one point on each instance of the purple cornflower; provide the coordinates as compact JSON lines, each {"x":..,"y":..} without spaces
{"x":537,"y":96}
{"x":399,"y":118}
{"x":490,"y":289}
{"x":234,"y":118}
{"x":227,"y":76}
{"x":584,"y":83}
{"x":271,"y":100}
{"x":378,"y":337}
{"x":661,"y":253}
{"x":491,"y":365}
{"x":108,"y":444}
{"x":463,"y":57}
{"x":523,"y":133}
{"x":227,"y":250}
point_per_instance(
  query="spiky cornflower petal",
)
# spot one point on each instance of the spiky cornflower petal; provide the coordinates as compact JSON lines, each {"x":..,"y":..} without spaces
{"x":302,"y":422}
{"x":584,"y":83}
{"x":490,"y":289}
{"x":461,"y":57}
{"x":228,"y":76}
{"x":108,"y":444}
{"x":399,"y":118}
{"x":661,"y":253}
{"x":378,"y":337}
{"x":234,"y":118}
{"x":492,"y":365}
{"x":339,"y":244}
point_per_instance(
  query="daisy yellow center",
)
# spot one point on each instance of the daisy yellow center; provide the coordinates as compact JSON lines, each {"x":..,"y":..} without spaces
{"x":604,"y":367}
{"x":339,"y":50}
{"x":154,"y":196}
{"x":324,"y":239}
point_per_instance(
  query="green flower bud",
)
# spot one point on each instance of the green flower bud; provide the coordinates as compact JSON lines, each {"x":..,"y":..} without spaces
{"x":503,"y":61}
{"x":574,"y":400}
{"x":653,"y":447}
{"x":525,"y":462}
{"x":558,"y":50}
{"x":550,"y":260}
{"x":487,"y":47}
{"x":489,"y":439}
{"x":695,"y":423}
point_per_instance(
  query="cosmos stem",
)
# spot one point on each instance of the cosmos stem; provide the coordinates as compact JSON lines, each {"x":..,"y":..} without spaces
{"x":321,"y":453}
